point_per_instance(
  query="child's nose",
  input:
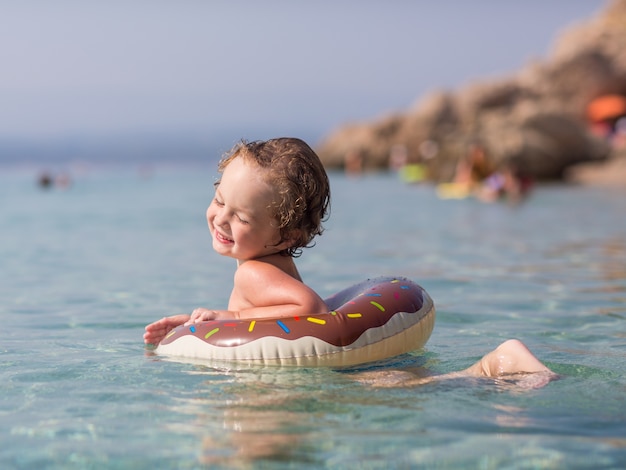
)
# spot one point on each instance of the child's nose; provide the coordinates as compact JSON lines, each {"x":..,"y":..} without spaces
{"x":221,"y":218}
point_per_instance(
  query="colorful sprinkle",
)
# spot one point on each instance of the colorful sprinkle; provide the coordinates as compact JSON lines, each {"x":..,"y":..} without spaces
{"x":394,"y":281}
{"x":377,"y":305}
{"x":192,"y":329}
{"x":173,"y":332}
{"x":374,"y":295}
{"x":334,"y":312}
{"x":355,"y":315}
{"x":211,"y":333}
{"x":316,"y":320}
{"x":283,"y":326}
{"x":251,"y":327}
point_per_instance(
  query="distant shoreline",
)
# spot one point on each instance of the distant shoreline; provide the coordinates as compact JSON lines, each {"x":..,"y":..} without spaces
{"x":611,"y":173}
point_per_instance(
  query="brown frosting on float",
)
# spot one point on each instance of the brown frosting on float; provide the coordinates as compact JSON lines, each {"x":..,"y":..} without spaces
{"x":353,"y":311}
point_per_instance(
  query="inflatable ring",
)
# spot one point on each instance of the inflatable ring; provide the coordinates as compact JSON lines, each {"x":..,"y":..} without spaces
{"x":373,"y":320}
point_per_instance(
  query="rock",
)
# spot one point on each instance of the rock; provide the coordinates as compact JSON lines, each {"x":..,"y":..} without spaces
{"x":609,"y":174}
{"x":535,"y":119}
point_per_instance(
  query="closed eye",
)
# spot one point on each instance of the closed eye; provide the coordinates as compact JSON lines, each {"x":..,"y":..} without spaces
{"x":215,"y":198}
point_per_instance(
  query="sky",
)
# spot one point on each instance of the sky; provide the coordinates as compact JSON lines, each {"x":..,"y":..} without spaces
{"x":275,"y":67}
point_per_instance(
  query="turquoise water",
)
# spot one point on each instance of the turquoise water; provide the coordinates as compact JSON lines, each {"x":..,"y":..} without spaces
{"x":83,"y":270}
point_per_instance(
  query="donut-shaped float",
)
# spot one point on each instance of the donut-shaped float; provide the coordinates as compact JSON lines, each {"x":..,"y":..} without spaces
{"x":373,"y":320}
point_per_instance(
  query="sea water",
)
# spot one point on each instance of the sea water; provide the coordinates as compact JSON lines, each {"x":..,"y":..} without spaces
{"x":83,"y":269}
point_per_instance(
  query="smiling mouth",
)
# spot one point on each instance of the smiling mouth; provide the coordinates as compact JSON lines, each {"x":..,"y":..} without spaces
{"x":221,"y":238}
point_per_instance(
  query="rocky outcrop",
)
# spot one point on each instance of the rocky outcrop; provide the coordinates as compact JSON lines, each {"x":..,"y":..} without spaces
{"x":535,"y":119}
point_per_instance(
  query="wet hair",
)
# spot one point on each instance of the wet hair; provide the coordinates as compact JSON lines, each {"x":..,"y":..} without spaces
{"x":300,"y":182}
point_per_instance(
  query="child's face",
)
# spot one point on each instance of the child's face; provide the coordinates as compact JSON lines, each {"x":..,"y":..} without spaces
{"x":239,"y":217}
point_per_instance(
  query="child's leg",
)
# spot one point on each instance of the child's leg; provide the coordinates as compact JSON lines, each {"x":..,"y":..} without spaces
{"x":510,"y":357}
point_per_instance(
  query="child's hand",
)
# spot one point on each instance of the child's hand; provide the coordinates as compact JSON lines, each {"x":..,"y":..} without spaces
{"x":201,"y":314}
{"x":156,"y":331}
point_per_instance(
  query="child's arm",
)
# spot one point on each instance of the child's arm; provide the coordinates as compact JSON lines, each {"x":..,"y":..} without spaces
{"x":262,"y":290}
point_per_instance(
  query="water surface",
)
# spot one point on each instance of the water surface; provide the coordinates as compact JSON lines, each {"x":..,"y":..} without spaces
{"x":84,"y":269}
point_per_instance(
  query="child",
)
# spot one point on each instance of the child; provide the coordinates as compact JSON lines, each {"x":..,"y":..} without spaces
{"x":268,"y":205}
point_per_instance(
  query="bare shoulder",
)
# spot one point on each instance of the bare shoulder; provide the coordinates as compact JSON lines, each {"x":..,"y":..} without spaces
{"x":271,"y":269}
{"x":254,"y":271}
{"x":261,"y":283}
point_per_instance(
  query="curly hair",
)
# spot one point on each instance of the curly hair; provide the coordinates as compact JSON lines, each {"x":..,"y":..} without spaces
{"x":301,"y":187}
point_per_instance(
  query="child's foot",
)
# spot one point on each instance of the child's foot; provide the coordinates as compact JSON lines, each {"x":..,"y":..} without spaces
{"x":511,"y":357}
